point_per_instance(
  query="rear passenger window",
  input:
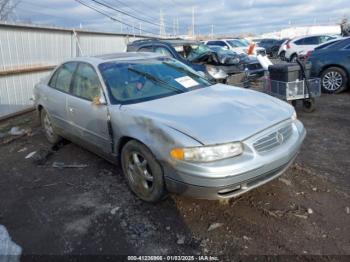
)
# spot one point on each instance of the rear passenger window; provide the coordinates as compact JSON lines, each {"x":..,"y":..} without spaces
{"x":311,"y":41}
{"x":146,"y":49}
{"x":86,"y":83}
{"x":299,"y":42}
{"x":62,"y":78}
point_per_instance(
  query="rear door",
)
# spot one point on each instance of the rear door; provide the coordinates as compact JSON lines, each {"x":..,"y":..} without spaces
{"x":55,"y":97}
{"x":88,"y":120}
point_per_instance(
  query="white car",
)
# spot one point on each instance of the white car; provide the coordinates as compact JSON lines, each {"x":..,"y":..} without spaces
{"x":237,"y":45}
{"x":300,"y":46}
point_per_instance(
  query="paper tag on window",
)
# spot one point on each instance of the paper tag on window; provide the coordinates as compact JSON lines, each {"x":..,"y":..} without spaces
{"x":186,"y":81}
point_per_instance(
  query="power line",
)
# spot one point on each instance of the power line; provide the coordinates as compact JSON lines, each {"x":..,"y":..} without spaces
{"x":124,"y":13}
{"x":109,"y":16}
{"x":135,"y":10}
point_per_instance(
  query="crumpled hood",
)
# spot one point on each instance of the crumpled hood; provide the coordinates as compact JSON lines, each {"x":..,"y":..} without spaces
{"x":216,"y":114}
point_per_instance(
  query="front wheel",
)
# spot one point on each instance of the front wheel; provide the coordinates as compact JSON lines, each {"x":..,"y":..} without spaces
{"x":334,"y":80}
{"x":309,"y":105}
{"x":282,"y":55}
{"x":142,"y":172}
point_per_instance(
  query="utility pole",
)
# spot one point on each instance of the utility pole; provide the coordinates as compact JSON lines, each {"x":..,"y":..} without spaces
{"x":140,"y":28}
{"x":193,"y":33}
{"x":121,"y":25}
{"x":212,"y":31}
{"x":177,"y":25}
{"x":161,"y":24}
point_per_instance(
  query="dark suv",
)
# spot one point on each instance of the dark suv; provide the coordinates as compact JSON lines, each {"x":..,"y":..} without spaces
{"x":201,"y":58}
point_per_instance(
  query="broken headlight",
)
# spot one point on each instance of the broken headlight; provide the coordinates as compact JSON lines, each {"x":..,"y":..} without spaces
{"x":215,"y":72}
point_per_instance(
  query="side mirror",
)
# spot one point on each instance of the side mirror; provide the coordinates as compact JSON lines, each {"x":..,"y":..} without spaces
{"x":225,"y":47}
{"x":99,"y":101}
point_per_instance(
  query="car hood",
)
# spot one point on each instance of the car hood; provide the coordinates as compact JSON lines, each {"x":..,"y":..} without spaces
{"x":216,"y":114}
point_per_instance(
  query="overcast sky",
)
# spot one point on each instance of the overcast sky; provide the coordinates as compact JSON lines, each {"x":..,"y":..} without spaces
{"x":227,"y":17}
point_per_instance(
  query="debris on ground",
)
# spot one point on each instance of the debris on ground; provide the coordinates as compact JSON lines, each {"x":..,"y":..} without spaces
{"x":247,"y":238}
{"x":285,"y":181}
{"x":7,"y":247}
{"x":114,"y":210}
{"x":214,"y":226}
{"x":16,"y":131}
{"x":42,"y":156}
{"x":310,"y":211}
{"x":347,"y":210}
{"x":30,"y":155}
{"x":180,"y":239}
{"x":22,"y":150}
{"x":61,"y":165}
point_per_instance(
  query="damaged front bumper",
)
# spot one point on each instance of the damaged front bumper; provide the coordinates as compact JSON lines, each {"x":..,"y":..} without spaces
{"x":233,"y":177}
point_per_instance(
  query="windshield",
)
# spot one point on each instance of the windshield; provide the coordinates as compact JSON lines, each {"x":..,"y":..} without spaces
{"x":236,"y":43}
{"x":143,"y":80}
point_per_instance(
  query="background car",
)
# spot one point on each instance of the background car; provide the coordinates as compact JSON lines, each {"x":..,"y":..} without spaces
{"x":282,"y":50}
{"x":271,"y":46}
{"x":237,"y":45}
{"x":332,"y":64}
{"x":198,"y":56}
{"x":301,"y":45}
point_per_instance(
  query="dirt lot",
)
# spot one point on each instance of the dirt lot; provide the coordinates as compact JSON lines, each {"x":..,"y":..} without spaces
{"x":90,"y":210}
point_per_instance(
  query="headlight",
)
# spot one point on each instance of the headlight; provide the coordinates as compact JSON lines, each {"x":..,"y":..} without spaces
{"x":294,"y":116}
{"x":217,"y":73}
{"x":207,"y":153}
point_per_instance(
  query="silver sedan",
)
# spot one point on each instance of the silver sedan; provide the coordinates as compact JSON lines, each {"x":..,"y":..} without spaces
{"x":169,"y":127}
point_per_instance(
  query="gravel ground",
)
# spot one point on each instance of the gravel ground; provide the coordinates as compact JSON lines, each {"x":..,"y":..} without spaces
{"x":89,"y":210}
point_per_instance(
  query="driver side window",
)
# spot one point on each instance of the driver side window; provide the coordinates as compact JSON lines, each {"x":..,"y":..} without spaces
{"x":86,"y":83}
{"x":163,"y":51}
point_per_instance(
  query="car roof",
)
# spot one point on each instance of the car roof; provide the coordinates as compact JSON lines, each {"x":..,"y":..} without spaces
{"x":306,"y":36}
{"x":125,"y":56}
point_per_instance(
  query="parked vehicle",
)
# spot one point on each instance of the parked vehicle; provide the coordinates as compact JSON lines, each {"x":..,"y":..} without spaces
{"x":301,"y":45}
{"x":271,"y":46}
{"x":331,"y":63}
{"x":171,"y":129}
{"x":239,"y":46}
{"x":200,"y":57}
{"x":282,"y":50}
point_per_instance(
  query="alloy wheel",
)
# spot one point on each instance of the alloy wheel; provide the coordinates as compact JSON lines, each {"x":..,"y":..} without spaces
{"x":139,"y":173}
{"x":332,"y":81}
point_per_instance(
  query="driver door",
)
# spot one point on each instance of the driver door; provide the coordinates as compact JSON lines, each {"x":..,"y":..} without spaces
{"x":88,"y":120}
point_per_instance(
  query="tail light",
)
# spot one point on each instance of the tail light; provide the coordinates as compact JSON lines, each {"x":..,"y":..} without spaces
{"x":308,"y":54}
{"x":288,"y":44}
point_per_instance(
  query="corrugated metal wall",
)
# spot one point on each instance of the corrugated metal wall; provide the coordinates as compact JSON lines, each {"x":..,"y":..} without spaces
{"x":28,"y":52}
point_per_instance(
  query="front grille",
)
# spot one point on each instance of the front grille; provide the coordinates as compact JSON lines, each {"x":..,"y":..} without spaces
{"x":254,"y":66}
{"x":274,"y":139}
{"x":261,"y":52}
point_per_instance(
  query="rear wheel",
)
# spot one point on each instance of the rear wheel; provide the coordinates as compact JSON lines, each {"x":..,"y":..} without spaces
{"x":334,"y":80}
{"x":142,"y":172}
{"x":50,"y":133}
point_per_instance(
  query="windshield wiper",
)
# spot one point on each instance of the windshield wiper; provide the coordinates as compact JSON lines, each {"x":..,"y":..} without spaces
{"x":156,"y":80}
{"x":181,"y":69}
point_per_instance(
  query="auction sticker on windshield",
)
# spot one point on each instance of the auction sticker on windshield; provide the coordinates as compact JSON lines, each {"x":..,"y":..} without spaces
{"x":186,"y":81}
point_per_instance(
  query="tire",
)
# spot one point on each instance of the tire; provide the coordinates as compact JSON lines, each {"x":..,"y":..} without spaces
{"x":293,"y":58}
{"x":50,"y":133}
{"x":309,"y":105}
{"x":334,"y":80}
{"x":282,"y":55}
{"x":143,"y":173}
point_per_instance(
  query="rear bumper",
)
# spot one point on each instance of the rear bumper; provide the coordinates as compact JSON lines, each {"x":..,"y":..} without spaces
{"x":233,"y":177}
